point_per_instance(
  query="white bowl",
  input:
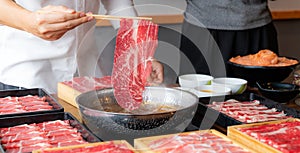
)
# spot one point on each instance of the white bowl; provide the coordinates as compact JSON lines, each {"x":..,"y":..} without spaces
{"x":236,"y":85}
{"x":194,"y":80}
{"x":212,"y":90}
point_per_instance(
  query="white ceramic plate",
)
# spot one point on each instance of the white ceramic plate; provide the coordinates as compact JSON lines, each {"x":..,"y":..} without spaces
{"x":203,"y":94}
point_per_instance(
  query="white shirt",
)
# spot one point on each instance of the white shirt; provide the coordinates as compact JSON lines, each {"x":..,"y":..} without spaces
{"x":31,"y":62}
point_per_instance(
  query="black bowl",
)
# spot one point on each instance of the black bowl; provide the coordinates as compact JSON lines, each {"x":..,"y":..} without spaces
{"x":279,"y":92}
{"x":255,"y":74}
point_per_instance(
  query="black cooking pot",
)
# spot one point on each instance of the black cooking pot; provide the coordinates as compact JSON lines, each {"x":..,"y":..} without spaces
{"x":255,"y":74}
{"x":106,"y":119}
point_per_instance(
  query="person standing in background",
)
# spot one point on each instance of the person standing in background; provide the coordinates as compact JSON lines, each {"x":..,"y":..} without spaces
{"x":41,"y":41}
{"x":216,"y":30}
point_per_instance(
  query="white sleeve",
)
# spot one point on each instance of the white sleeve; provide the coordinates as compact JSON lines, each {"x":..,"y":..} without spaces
{"x":119,"y":8}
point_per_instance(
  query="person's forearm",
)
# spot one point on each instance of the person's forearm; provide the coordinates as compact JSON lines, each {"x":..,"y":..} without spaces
{"x":50,"y":22}
{"x":13,"y":15}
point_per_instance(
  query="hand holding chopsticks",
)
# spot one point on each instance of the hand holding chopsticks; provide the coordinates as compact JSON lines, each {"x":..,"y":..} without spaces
{"x":110,"y":17}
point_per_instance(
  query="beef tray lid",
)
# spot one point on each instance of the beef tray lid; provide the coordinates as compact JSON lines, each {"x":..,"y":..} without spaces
{"x":34,"y":92}
{"x":225,"y":120}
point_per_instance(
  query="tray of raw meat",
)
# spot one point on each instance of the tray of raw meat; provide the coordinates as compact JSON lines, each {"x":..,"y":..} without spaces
{"x":196,"y":141}
{"x":269,"y":137}
{"x":69,"y":90}
{"x":27,"y":102}
{"x":241,"y":109}
{"x":33,"y":132}
{"x":114,"y":146}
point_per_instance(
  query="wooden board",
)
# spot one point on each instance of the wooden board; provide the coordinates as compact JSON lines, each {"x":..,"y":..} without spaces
{"x":86,"y":145}
{"x":142,"y":144}
{"x":250,"y":142}
{"x":67,"y":94}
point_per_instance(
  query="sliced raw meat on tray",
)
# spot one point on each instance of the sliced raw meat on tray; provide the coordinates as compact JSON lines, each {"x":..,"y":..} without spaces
{"x":29,"y":137}
{"x":84,"y":84}
{"x":69,"y":90}
{"x":119,"y":146}
{"x":136,"y":43}
{"x":190,"y":142}
{"x":28,"y":149}
{"x":282,"y":135}
{"x":29,"y":103}
{"x":248,"y":111}
{"x":30,"y":98}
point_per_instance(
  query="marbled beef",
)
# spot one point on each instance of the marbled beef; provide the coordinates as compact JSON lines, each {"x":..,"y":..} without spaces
{"x":135,"y":47}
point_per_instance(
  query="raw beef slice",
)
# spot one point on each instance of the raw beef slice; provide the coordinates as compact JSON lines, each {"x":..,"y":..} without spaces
{"x":85,"y":84}
{"x":135,"y":46}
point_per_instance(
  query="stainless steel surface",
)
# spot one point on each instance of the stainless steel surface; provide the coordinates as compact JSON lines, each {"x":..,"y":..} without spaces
{"x":116,"y":125}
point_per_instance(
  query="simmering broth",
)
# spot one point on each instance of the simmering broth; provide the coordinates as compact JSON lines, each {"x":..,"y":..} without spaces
{"x":145,"y":108}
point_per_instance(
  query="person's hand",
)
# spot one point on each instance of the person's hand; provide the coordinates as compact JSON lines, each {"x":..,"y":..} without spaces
{"x":52,"y":22}
{"x":157,"y":75}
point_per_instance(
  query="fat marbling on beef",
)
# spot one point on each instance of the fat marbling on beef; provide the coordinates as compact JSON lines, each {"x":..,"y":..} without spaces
{"x":248,"y":111}
{"x":195,"y":142}
{"x":136,"y":43}
{"x":283,"y":135}
{"x":48,"y":134}
{"x":85,"y":84}
{"x":23,"y":104}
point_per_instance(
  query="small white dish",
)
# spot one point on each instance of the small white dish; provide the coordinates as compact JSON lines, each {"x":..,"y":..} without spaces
{"x":194,"y":80}
{"x":237,"y":85}
{"x":212,"y":90}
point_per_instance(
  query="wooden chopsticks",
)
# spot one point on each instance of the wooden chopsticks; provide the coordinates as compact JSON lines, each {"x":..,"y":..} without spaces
{"x":110,"y":17}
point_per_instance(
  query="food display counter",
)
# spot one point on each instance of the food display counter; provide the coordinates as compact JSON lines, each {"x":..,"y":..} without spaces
{"x":188,"y":133}
{"x":75,"y":112}
{"x":64,"y":113}
{"x":217,"y":127}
